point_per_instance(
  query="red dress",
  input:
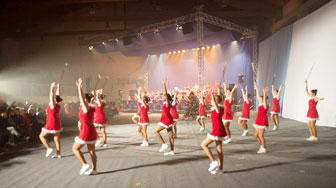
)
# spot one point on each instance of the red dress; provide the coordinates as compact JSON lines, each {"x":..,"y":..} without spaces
{"x":87,"y":133}
{"x":218,"y":130}
{"x":312,"y":113}
{"x":276,"y":106}
{"x":166,"y":118}
{"x":53,"y":123}
{"x":139,"y":111}
{"x":245,"y":111}
{"x":100,"y":117}
{"x":201,"y":111}
{"x":144,"y":120}
{"x":261,"y":121}
{"x":228,"y":114}
{"x":174,"y":113}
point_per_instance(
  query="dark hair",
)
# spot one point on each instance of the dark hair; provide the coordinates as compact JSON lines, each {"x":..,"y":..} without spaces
{"x":263,"y":97}
{"x":88,"y":96}
{"x":277,"y":91}
{"x":9,"y":110}
{"x":147,"y":99}
{"x":314,"y":91}
{"x":58,"y":99}
{"x":169,"y":98}
{"x":102,"y":96}
{"x":218,"y":98}
{"x":248,"y":95}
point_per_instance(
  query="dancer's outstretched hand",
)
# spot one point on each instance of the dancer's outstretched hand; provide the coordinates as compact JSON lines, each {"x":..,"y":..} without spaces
{"x":53,"y":84}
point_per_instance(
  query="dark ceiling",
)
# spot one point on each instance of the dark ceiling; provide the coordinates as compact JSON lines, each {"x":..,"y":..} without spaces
{"x":20,"y":18}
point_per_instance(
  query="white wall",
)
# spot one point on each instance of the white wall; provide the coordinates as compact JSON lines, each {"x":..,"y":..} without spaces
{"x":313,"y":41}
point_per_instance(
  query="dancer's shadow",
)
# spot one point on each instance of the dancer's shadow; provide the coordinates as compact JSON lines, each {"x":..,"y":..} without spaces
{"x":168,"y":162}
{"x":257,"y":167}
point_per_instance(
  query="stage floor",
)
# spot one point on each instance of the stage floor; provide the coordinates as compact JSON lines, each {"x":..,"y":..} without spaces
{"x":291,"y":161}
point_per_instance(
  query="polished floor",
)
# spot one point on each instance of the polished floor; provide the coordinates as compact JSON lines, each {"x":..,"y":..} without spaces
{"x":291,"y":161}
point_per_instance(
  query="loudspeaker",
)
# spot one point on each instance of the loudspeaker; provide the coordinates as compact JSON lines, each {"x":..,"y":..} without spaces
{"x":127,"y":40}
{"x":240,"y":78}
{"x":236,"y":35}
{"x":187,"y":28}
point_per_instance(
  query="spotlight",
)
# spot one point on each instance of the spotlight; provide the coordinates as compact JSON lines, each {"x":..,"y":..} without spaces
{"x":198,"y":48}
{"x":203,"y":48}
{"x":213,"y":46}
{"x":174,"y":52}
{"x":179,"y":51}
{"x":208,"y":47}
{"x":90,"y":48}
{"x":116,"y":39}
{"x":178,"y":27}
{"x":103,"y":43}
{"x":170,"y":53}
{"x":183,"y":51}
{"x":156,"y":31}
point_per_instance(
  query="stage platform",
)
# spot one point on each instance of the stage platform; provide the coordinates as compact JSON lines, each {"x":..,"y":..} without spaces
{"x":291,"y":161}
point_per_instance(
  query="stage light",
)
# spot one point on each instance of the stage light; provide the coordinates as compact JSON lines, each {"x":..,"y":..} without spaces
{"x":90,"y":48}
{"x":203,"y":48}
{"x":103,"y":43}
{"x":170,"y":53}
{"x":178,"y":27}
{"x":179,"y":51}
{"x":213,"y":46}
{"x":198,"y":48}
{"x":116,"y":39}
{"x":174,"y":52}
{"x":156,"y":31}
{"x":208,"y":47}
{"x":183,"y":51}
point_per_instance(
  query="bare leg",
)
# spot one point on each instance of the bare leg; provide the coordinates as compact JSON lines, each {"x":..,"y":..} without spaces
{"x":202,"y":122}
{"x":140,"y":130}
{"x":276,"y":117}
{"x":242,"y":124}
{"x":273,"y":118}
{"x":245,"y":125}
{"x":227,"y":129}
{"x":261,"y":137}
{"x":91,"y":148}
{"x":256,"y":135}
{"x":205,"y":147}
{"x":57,"y":143}
{"x":135,"y":121}
{"x":102,"y":129}
{"x":144,"y":133}
{"x":157,"y":131}
{"x":220,"y":154}
{"x":76,"y":149}
{"x":313,"y":128}
{"x":171,"y":139}
{"x":175,"y":129}
{"x":198,"y":121}
{"x":310,"y":128}
{"x":44,"y":140}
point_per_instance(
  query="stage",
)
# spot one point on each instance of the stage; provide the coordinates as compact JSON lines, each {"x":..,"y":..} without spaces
{"x":291,"y":161}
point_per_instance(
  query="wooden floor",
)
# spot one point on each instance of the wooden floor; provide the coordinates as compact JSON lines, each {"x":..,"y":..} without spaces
{"x":291,"y":161}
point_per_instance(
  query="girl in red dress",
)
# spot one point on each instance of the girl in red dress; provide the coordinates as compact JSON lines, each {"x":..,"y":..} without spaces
{"x":261,"y":122}
{"x":228,"y":114}
{"x":87,"y":135}
{"x":217,"y":135}
{"x":202,"y":113}
{"x":245,"y":116}
{"x":276,"y":107}
{"x":174,"y":113}
{"x":100,"y":117}
{"x":312,"y":114}
{"x":144,"y":120}
{"x":166,"y":122}
{"x":136,"y":116}
{"x":53,"y":123}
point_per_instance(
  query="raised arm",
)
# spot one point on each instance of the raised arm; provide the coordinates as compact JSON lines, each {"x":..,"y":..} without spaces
{"x":98,"y":97}
{"x":273,"y":90}
{"x":201,"y":97}
{"x":278,"y":96}
{"x":214,"y":102}
{"x":306,"y":88}
{"x":79,"y":84}
{"x":246,"y":96}
{"x":232,"y":92}
{"x":165,"y":90}
{"x":258,"y":93}
{"x":58,"y":89}
{"x":265,"y":90}
{"x":52,"y":101}
{"x":224,"y":85}
{"x":175,"y":97}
